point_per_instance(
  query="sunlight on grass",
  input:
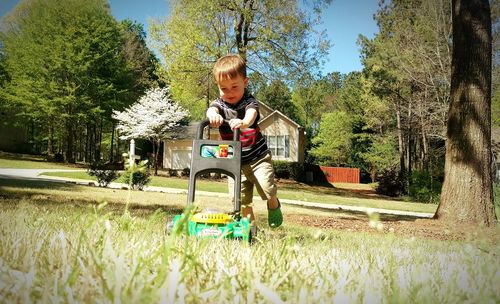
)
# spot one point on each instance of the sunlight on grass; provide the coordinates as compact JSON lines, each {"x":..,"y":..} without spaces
{"x":31,"y":164}
{"x":284,"y":193}
{"x":51,"y":252}
{"x":221,"y":187}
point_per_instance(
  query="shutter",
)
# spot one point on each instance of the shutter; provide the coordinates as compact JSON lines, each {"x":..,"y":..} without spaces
{"x":287,"y":147}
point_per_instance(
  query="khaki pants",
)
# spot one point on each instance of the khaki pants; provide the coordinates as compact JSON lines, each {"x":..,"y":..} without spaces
{"x":260,"y":173}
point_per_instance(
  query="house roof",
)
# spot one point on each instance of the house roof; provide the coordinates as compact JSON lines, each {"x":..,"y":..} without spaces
{"x":264,"y":105}
{"x":278,"y":113}
{"x":189,"y":131}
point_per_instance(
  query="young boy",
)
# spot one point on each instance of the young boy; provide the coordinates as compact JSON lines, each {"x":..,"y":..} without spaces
{"x":238,"y":106}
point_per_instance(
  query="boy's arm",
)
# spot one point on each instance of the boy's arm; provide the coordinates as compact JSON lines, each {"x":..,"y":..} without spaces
{"x":247,"y":121}
{"x":214,"y":117}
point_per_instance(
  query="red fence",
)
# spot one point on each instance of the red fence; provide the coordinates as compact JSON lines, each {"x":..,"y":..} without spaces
{"x":341,"y":175}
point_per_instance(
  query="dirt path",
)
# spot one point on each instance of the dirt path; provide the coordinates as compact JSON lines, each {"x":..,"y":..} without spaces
{"x":399,"y":225}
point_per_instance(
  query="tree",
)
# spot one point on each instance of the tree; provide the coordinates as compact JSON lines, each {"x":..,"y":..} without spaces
{"x":154,"y":117}
{"x":276,"y":37}
{"x":408,"y":63}
{"x":495,"y":81}
{"x":313,"y":97}
{"x":381,"y":155}
{"x":277,"y":95}
{"x":141,"y":70}
{"x":67,"y":70}
{"x":334,"y":139}
{"x":467,"y":189}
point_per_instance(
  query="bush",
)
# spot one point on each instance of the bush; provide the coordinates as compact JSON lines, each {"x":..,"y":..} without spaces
{"x":57,"y":157}
{"x":288,"y":170}
{"x":424,"y":188}
{"x":390,"y":183}
{"x":281,"y":169}
{"x":185,"y":172}
{"x":172,"y":173}
{"x":319,"y":177}
{"x":137,"y":175}
{"x":102,"y":173}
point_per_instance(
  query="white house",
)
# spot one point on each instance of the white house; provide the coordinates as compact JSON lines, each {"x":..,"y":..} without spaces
{"x":285,"y":138}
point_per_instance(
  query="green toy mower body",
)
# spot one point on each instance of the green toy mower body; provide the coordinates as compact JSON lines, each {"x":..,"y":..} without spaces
{"x":215,"y":156}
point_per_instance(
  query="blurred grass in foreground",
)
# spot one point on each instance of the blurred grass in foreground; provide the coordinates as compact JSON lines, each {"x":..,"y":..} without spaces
{"x":80,"y":252}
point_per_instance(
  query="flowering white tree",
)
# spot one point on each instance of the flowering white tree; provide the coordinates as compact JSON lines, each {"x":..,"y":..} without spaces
{"x":153,"y":117}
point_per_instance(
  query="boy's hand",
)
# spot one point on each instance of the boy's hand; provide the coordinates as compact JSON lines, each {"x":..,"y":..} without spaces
{"x":237,"y":124}
{"x":215,"y":118}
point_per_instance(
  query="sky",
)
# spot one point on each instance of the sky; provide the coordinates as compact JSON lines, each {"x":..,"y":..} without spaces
{"x":343,"y":20}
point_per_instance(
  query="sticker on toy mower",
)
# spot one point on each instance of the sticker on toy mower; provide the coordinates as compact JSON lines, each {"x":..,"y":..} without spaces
{"x":211,"y":231}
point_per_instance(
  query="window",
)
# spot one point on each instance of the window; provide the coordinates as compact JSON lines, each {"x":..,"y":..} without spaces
{"x":279,"y":145}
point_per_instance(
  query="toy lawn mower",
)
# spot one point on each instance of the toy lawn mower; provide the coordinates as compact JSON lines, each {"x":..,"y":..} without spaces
{"x":212,"y":156}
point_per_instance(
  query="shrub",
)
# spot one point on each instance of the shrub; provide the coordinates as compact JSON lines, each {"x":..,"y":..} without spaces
{"x":288,"y":170}
{"x":57,"y":157}
{"x":102,"y":173}
{"x":319,"y":176}
{"x":281,"y":169}
{"x":185,"y":172}
{"x":424,"y":187}
{"x":137,"y":175}
{"x":297,"y":171}
{"x":390,"y":183}
{"x":172,"y":173}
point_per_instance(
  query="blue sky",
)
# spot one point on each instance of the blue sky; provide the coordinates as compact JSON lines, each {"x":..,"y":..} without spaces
{"x":344,"y":20}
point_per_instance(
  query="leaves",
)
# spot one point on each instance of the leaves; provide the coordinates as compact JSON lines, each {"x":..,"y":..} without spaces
{"x":334,"y":137}
{"x":276,"y":37}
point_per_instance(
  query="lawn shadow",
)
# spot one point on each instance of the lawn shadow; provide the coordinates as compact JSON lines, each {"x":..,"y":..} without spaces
{"x":329,"y":189}
{"x":36,"y":183}
{"x":38,"y":159}
{"x":348,"y":214}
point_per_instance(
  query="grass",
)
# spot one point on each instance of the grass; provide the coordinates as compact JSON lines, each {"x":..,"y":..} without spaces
{"x":30,"y":164}
{"x":304,"y":193}
{"x":60,"y":245}
{"x":70,"y":243}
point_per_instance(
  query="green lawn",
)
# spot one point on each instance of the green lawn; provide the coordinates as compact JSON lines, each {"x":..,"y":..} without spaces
{"x":285,"y":191}
{"x":16,"y":161}
{"x":64,"y":242}
{"x":308,"y":194}
{"x":58,"y":245}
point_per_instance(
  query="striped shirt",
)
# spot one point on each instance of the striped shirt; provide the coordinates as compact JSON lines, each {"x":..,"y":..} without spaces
{"x":253,"y":144}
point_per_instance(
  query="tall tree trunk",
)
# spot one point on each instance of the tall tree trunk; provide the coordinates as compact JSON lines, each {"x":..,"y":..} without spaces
{"x":50,"y":140}
{"x":94,"y":143}
{"x":400,"y":138}
{"x":467,"y":190}
{"x":423,"y":127}
{"x":87,"y":158}
{"x":118,"y":155}
{"x":98,"y":142}
{"x":425,"y":145}
{"x":111,"y":156}
{"x":156,"y":149}
{"x":409,"y":147}
{"x":70,"y":143}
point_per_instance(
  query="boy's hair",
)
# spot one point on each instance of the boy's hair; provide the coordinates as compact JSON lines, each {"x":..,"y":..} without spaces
{"x":229,"y":67}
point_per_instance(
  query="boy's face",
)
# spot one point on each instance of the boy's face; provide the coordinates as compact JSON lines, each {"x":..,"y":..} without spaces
{"x":232,"y":90}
